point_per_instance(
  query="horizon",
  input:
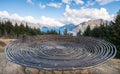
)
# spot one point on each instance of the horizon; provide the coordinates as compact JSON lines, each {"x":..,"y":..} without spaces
{"x":58,"y":12}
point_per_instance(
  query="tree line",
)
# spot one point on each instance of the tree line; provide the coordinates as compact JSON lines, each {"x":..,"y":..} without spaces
{"x":7,"y":29}
{"x":109,"y":32}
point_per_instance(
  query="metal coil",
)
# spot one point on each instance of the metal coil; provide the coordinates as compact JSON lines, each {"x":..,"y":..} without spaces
{"x":54,"y":52}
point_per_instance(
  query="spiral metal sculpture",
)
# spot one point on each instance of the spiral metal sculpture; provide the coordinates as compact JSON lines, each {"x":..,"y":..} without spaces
{"x":59,"y":52}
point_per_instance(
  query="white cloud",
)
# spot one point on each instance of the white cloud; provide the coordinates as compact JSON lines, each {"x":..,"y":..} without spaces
{"x":103,"y":2}
{"x":15,"y":16}
{"x":50,"y":22}
{"x":79,"y":2}
{"x":4,"y":14}
{"x":76,"y":1}
{"x":56,"y":5}
{"x":30,"y":19}
{"x":90,"y":3}
{"x":30,"y":1}
{"x":77,"y":16}
{"x":42,"y":6}
{"x":74,"y":16}
{"x":66,"y":1}
{"x":46,"y":21}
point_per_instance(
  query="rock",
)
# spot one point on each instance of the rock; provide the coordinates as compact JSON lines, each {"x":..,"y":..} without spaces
{"x":2,"y":43}
{"x":12,"y":68}
{"x":57,"y":72}
{"x":7,"y":67}
{"x":31,"y":70}
{"x":41,"y":72}
{"x":111,"y":67}
{"x":2,"y":62}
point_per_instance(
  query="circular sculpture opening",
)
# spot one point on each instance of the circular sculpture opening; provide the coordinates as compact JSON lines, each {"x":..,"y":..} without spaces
{"x":54,"y":52}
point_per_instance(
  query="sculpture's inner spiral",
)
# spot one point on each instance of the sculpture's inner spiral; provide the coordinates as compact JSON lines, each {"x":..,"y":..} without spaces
{"x":59,"y":52}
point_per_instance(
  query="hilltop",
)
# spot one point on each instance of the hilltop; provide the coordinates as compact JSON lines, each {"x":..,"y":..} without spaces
{"x":7,"y":67}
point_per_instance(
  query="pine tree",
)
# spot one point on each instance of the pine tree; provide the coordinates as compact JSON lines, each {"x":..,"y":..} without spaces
{"x":59,"y":32}
{"x":115,"y":35}
{"x":79,"y":33}
{"x":110,"y":33}
{"x":3,"y":29}
{"x":16,"y":27}
{"x":65,"y":31}
{"x":87,"y":31}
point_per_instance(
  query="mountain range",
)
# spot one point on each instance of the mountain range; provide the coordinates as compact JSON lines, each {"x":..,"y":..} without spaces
{"x":75,"y":28}
{"x":70,"y":27}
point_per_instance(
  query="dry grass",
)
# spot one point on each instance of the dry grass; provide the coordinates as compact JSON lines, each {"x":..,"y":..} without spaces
{"x":3,"y":43}
{"x":1,"y":50}
{"x":6,"y":41}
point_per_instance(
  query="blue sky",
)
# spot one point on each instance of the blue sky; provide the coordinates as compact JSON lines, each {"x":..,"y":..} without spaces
{"x":58,"y":12}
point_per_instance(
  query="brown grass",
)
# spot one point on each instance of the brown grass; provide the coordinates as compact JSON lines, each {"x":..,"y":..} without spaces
{"x":3,"y":43}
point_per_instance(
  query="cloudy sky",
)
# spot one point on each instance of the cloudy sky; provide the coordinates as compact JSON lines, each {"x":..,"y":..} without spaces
{"x":58,"y":12}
